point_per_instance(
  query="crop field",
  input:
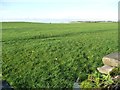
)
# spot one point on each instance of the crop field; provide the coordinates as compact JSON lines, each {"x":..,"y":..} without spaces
{"x":49,"y":55}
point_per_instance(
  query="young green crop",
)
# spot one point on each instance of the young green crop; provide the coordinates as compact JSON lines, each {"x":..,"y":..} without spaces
{"x":39,"y":55}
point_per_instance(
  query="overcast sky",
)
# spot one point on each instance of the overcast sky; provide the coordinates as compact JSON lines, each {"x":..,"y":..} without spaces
{"x":58,"y":10}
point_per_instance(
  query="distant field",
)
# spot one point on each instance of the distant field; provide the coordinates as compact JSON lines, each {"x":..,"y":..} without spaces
{"x":42,"y":55}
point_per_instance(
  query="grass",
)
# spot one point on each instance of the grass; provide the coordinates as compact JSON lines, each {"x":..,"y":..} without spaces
{"x":40,"y":55}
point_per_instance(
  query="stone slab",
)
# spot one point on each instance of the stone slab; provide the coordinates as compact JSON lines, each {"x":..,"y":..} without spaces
{"x":112,"y":59}
{"x":105,"y":69}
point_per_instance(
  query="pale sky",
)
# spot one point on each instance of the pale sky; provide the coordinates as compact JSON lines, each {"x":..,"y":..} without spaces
{"x":58,"y":10}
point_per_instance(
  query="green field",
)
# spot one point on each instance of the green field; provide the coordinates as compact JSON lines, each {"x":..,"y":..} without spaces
{"x":40,"y":55}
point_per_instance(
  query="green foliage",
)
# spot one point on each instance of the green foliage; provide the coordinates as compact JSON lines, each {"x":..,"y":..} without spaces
{"x":97,"y":80}
{"x":86,"y":84}
{"x":53,"y":55}
{"x":106,"y":80}
{"x":115,"y":71}
{"x":93,"y":80}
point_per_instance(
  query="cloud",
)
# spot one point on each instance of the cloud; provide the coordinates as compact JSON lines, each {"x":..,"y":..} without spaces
{"x":59,"y":1}
{"x":99,"y":10}
{"x":83,"y":15}
{"x":18,"y":1}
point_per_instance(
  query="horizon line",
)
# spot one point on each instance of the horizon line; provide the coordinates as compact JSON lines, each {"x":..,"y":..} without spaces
{"x":90,"y":21}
